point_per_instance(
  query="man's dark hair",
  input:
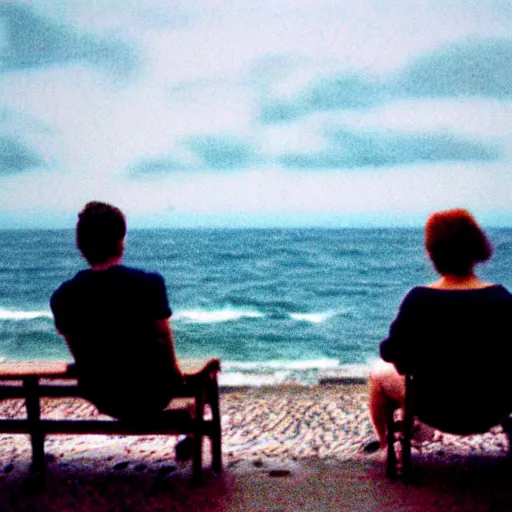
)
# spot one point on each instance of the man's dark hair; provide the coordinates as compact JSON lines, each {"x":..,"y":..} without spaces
{"x":455,"y":242}
{"x":100,"y":231}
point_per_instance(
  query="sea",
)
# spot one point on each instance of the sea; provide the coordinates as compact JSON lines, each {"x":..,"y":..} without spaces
{"x":276,"y":305}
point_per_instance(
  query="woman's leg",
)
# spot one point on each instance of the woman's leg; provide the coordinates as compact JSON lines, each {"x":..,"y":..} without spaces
{"x":387,"y":393}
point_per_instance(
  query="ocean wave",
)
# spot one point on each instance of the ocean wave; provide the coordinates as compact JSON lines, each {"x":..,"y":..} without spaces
{"x":275,"y":373}
{"x":273,"y":365}
{"x":199,"y":316}
{"x":314,"y":318}
{"x":6,"y":314}
{"x":240,"y":379}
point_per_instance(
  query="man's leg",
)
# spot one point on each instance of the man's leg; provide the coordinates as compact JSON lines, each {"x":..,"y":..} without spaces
{"x":387,"y":392}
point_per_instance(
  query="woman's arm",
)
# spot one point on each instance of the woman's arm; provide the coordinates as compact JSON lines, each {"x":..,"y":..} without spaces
{"x":404,"y":332}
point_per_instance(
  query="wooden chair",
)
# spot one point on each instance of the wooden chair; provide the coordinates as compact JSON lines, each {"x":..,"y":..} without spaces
{"x":34,"y":381}
{"x":404,"y":429}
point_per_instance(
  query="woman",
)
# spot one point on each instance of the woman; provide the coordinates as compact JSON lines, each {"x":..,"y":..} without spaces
{"x":453,"y":335}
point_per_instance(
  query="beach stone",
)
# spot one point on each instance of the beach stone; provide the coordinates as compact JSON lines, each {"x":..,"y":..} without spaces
{"x":122,"y":465}
{"x":165,"y":470}
{"x":323,"y":422}
{"x":279,"y":473}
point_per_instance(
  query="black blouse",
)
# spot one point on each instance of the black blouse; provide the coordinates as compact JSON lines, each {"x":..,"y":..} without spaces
{"x":458,"y":346}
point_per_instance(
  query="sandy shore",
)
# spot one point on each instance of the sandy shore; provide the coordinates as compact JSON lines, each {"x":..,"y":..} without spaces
{"x":286,"y":448}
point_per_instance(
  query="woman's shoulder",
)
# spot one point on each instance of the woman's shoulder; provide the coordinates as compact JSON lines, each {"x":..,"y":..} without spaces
{"x":491,"y":291}
{"x":416,"y":296}
{"x":418,"y":292}
{"x":499,"y":291}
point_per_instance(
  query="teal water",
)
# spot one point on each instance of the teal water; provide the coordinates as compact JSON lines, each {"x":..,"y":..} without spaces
{"x":273,"y":304}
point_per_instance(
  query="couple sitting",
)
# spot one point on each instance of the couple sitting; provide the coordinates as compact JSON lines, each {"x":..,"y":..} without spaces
{"x":453,"y":336}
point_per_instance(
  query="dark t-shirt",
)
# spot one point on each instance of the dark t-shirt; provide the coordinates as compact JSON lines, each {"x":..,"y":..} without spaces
{"x":108,"y":317}
{"x":458,"y":346}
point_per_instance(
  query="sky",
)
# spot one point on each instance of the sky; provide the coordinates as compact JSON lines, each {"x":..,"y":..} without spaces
{"x":255,"y":113}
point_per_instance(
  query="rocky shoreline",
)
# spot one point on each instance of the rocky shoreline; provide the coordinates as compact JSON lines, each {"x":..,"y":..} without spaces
{"x":273,"y":431}
{"x":325,"y":421}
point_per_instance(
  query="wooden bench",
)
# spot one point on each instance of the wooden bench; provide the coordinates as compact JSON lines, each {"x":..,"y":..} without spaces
{"x":32,"y":381}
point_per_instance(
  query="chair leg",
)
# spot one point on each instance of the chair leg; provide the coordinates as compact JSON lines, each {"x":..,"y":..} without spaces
{"x":216,"y":433}
{"x":391,"y":457}
{"x":34,"y":420}
{"x":197,"y":458}
{"x":38,"y":457}
{"x":407,"y":431}
{"x":217,"y":453}
{"x":507,"y":428}
{"x":406,"y":458}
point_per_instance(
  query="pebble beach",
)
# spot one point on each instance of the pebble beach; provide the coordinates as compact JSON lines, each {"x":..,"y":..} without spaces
{"x":275,"y":440}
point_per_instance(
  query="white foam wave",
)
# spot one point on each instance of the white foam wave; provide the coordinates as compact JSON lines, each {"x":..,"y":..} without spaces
{"x":209,"y":317}
{"x":234,"y":379}
{"x":314,"y":318}
{"x":275,"y":373}
{"x":6,"y":314}
{"x":310,"y":364}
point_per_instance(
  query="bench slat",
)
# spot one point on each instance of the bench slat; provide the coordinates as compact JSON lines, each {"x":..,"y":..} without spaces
{"x":15,"y":371}
{"x":68,"y":389}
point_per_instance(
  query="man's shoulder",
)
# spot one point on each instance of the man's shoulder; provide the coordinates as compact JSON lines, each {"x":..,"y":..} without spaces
{"x":137,"y":274}
{"x":121,"y":278}
{"x":119,"y":272}
{"x":68,"y":285}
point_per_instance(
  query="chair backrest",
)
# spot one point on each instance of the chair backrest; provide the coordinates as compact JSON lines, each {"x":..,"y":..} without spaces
{"x":458,"y":414}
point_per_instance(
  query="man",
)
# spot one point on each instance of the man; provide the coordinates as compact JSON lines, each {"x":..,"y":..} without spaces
{"x":115,"y":320}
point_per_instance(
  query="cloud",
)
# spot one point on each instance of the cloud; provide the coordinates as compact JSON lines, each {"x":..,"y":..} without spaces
{"x":205,"y":152}
{"x":329,"y":93}
{"x":19,"y":122}
{"x":220,"y":152}
{"x":15,"y":157}
{"x":31,"y":41}
{"x":340,"y":149}
{"x":342,"y":92}
{"x":348,"y":150}
{"x":469,"y":68}
{"x":158,"y":166}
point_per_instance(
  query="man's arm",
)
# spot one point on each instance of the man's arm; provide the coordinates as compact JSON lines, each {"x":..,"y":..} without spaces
{"x":166,"y":341}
